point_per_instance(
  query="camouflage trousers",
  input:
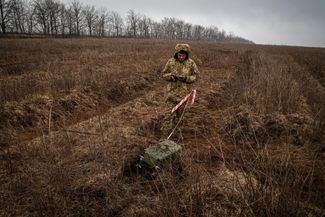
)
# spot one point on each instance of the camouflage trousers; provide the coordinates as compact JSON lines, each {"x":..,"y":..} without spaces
{"x":171,"y":119}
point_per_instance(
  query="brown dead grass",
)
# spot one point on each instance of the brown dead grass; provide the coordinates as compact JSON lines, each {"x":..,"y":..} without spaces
{"x":76,"y":114}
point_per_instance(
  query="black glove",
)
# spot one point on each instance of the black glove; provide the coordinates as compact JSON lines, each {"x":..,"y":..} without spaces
{"x":181,"y":78}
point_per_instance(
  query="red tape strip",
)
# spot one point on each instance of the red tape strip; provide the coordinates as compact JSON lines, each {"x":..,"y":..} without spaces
{"x":193,"y":93}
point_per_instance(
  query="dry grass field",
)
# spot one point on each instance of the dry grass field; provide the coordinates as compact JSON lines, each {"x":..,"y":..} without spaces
{"x":76,"y":114}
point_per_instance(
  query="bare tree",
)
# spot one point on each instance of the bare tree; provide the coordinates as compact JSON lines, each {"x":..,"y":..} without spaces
{"x":41,"y":15}
{"x":144,"y":26}
{"x":69,"y":19}
{"x":18,"y":16}
{"x":156,"y":30}
{"x":116,"y":22}
{"x":53,"y":7}
{"x":168,"y":25}
{"x":230,"y":36}
{"x":91,"y":16}
{"x":101,"y":22}
{"x":62,"y":19}
{"x":30,"y":18}
{"x":77,"y":15}
{"x":6,"y":7}
{"x":214,"y":33}
{"x":187,"y":31}
{"x":53,"y":17}
{"x":179,"y":29}
{"x":209,"y":33}
{"x":222,"y":35}
{"x":197,"y":32}
{"x":132,"y":22}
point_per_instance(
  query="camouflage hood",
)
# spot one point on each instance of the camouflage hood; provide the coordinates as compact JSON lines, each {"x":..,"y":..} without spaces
{"x":183,"y":47}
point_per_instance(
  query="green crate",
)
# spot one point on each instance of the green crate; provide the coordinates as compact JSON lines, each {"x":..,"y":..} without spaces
{"x":159,"y":154}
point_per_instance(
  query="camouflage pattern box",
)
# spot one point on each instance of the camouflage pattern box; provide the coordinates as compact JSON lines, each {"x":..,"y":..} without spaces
{"x":158,"y":154}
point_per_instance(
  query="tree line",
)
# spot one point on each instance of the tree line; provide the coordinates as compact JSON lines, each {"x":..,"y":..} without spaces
{"x":53,"y":18}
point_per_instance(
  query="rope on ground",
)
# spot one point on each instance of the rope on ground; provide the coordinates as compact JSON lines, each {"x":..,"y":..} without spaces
{"x":179,"y":121}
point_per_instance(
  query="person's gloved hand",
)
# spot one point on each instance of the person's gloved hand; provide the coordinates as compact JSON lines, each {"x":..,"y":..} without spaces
{"x":181,"y":78}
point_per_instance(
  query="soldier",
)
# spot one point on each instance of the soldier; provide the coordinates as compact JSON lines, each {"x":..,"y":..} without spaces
{"x":180,"y":72}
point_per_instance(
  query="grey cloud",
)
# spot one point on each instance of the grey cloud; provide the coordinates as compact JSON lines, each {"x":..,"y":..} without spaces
{"x":292,"y":22}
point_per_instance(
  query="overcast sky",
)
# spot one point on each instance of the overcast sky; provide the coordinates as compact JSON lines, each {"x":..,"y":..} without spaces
{"x":280,"y":22}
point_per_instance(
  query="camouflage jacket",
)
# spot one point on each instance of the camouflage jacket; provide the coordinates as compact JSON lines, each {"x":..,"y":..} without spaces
{"x":176,"y":90}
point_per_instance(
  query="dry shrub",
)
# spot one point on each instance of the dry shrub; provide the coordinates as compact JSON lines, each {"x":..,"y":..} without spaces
{"x":287,"y":184}
{"x":34,"y":114}
{"x":312,"y":59}
{"x":47,"y":181}
{"x":267,"y":86}
{"x":270,"y":109}
{"x":246,"y":128}
{"x":274,"y":85}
